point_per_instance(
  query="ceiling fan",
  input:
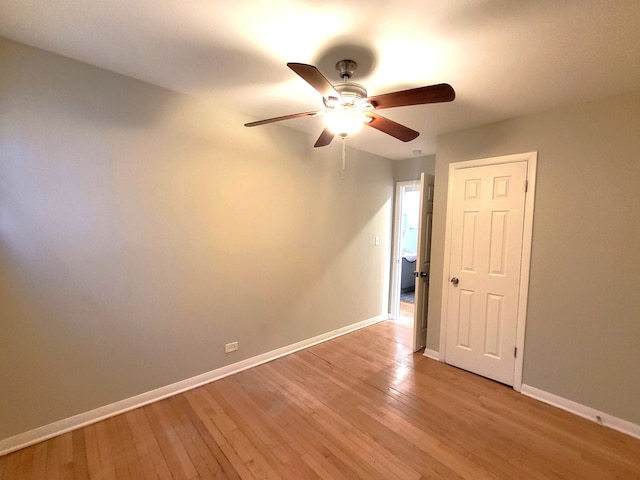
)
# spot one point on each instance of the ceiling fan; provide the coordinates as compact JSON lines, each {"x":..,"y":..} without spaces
{"x":347,"y":106}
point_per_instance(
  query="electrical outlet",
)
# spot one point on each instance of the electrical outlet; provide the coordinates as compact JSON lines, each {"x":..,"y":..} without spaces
{"x":376,"y":240}
{"x":231,"y":347}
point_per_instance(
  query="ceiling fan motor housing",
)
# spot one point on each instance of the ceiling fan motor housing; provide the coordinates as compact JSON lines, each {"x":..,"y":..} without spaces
{"x":351,"y":91}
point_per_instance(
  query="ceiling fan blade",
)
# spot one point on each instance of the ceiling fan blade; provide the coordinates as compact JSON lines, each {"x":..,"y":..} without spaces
{"x":277,"y":119}
{"x":324,"y":139}
{"x":313,"y":77}
{"x":442,"y":92}
{"x":391,"y":128}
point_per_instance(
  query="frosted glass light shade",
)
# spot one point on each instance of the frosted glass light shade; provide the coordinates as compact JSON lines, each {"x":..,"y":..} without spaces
{"x":344,"y":121}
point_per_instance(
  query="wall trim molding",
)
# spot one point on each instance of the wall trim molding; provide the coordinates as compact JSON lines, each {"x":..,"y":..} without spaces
{"x":432,"y":354}
{"x":65,"y":425}
{"x":589,"y":413}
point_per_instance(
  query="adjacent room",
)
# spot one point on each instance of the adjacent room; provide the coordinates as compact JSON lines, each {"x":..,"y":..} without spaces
{"x":202,"y":276}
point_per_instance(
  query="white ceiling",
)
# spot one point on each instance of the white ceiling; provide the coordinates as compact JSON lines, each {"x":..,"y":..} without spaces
{"x":504,"y":58}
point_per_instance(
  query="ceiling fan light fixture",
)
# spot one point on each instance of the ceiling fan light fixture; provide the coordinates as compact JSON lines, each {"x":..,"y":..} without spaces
{"x":348,"y":106}
{"x":345,"y":121}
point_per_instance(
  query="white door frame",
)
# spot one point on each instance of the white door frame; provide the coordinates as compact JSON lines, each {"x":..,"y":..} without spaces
{"x":531,"y":158}
{"x":396,"y":256}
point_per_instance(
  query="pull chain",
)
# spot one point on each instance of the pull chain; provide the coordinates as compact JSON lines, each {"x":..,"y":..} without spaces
{"x":344,"y":156}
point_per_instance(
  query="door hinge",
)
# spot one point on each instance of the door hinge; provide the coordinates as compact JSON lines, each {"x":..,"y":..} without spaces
{"x":515,"y":352}
{"x":526,"y":186}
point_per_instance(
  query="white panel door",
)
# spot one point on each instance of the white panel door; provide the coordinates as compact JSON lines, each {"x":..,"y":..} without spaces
{"x":423,"y":263}
{"x":484,"y":271}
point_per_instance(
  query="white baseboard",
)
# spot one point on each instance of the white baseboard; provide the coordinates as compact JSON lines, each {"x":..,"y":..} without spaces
{"x":432,"y":354}
{"x":589,"y":413}
{"x":46,"y":432}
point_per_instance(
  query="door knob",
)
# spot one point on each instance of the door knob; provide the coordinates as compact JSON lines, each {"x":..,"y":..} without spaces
{"x":424,"y":274}
{"x":455,"y":281}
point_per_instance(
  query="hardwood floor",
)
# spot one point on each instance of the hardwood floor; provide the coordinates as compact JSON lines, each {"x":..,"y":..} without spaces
{"x":406,"y":311}
{"x":361,"y":406}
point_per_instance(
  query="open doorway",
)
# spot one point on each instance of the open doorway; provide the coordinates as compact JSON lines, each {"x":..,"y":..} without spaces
{"x":412,"y":254}
{"x":405,"y":241}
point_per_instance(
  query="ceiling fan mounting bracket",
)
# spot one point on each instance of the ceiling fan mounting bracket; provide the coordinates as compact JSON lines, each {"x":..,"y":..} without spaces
{"x":352,"y":93}
{"x":346,"y":69}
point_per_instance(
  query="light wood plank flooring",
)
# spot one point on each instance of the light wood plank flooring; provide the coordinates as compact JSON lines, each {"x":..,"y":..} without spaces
{"x":406,"y":311}
{"x":361,"y":406}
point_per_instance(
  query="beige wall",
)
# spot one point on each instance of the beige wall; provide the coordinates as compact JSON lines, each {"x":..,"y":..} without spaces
{"x":583,"y":320}
{"x":411,"y":168}
{"x":141,"y":230}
